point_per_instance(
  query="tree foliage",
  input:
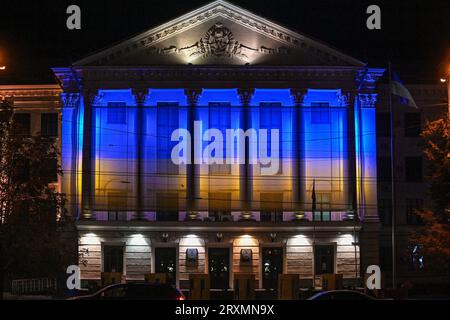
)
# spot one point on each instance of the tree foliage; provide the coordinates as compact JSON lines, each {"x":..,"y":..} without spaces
{"x":434,"y":236}
{"x":35,"y":230}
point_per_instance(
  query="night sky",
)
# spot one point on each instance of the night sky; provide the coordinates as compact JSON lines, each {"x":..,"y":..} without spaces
{"x":34,"y":37}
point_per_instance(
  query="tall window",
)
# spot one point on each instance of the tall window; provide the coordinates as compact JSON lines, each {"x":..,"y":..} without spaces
{"x":220,"y":206}
{"x":413,"y":169}
{"x":49,"y":124}
{"x":167,"y":122}
{"x":116,"y":113}
{"x":412,"y":124}
{"x":50,"y":172}
{"x":324,"y":259}
{"x":220,"y":118}
{"x":323,"y":207}
{"x":167,"y":206}
{"x":320,"y":113}
{"x":384,"y":169}
{"x":271,"y":205}
{"x":270,"y":118}
{"x":383,"y":124}
{"x":385,"y":211}
{"x":113,"y":258}
{"x":22,"y":124}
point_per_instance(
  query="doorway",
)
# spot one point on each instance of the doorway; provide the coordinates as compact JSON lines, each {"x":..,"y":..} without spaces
{"x":166,"y":262}
{"x":219,"y":267}
{"x":272,"y":266}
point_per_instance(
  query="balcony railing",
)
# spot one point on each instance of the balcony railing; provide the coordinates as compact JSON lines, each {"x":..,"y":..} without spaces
{"x":264,"y":216}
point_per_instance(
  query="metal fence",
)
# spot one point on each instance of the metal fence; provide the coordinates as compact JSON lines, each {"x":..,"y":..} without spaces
{"x":29,"y":286}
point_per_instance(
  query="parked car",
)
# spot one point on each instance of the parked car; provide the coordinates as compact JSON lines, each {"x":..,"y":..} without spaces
{"x":135,"y":291}
{"x":341,"y":295}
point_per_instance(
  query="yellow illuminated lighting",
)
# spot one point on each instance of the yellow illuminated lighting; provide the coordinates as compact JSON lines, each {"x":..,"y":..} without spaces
{"x":2,"y":67}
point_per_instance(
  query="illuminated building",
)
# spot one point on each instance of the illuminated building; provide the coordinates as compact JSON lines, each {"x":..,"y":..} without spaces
{"x":139,"y":213}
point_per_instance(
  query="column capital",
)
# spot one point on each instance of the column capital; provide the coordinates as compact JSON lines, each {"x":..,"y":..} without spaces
{"x":140,"y":95}
{"x":91,"y":96}
{"x":70,"y":99}
{"x":192,"y":96}
{"x":368,"y":100}
{"x":298,"y":94}
{"x":245,"y":95}
{"x":346,"y":98}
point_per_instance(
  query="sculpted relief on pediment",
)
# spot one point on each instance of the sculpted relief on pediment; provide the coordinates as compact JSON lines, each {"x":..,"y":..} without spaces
{"x":218,"y":42}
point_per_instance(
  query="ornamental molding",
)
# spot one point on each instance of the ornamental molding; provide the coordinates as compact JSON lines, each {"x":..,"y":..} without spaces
{"x":216,"y":74}
{"x":219,"y":42}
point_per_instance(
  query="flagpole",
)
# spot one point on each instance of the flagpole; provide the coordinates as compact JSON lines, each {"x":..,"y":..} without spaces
{"x":393,"y":220}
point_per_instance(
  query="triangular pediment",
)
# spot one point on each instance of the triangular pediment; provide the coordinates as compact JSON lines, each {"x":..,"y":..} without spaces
{"x":220,"y":33}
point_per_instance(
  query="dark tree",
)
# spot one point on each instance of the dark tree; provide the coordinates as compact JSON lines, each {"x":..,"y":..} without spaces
{"x":434,"y":236}
{"x":36,"y":234}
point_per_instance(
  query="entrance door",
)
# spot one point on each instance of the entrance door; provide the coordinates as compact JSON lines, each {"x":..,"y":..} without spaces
{"x":272,"y":266}
{"x":219,"y":267}
{"x":166,"y":262}
{"x":324,"y":259}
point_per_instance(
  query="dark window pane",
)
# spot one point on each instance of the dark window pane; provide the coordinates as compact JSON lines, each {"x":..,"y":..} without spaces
{"x":385,"y":211}
{"x":220,"y":118}
{"x":386,"y":258}
{"x":116,"y":113}
{"x":49,"y":124}
{"x":113,"y":258}
{"x":49,"y":170}
{"x":384,"y":169}
{"x":324,"y":259}
{"x":167,"y":122}
{"x":22,"y":124}
{"x":21,"y":170}
{"x":412,"y":124}
{"x":413,"y":169}
{"x":383,"y":124}
{"x":320,"y":113}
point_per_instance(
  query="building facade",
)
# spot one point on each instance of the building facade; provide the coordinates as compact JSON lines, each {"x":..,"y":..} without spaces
{"x":150,"y":201}
{"x":37,"y":111}
{"x":411,"y":185}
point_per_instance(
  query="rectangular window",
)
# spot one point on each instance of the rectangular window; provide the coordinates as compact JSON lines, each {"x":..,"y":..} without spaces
{"x":383,"y":124}
{"x":413,"y":169}
{"x":22,"y":124}
{"x":50,"y":170}
{"x":167,"y":206}
{"x":324,"y":259}
{"x":167,"y":122}
{"x":116,"y":113}
{"x":385,"y":211}
{"x":117,"y":205}
{"x":412,"y":124}
{"x":413,"y":204}
{"x":270,"y":118}
{"x":271,"y":207}
{"x":320,"y":113}
{"x":323,"y":207}
{"x":49,"y":124}
{"x":220,"y":118}
{"x":21,"y":170}
{"x":384,"y":169}
{"x":386,"y":258}
{"x":220,"y":206}
{"x":113,"y":258}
